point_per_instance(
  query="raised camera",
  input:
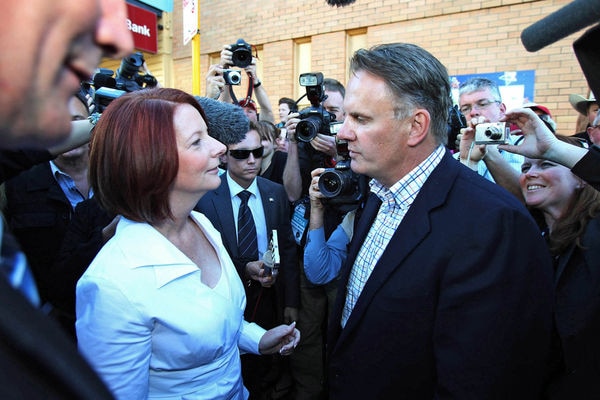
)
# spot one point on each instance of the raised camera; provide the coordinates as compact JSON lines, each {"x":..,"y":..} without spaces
{"x":492,"y":133}
{"x":315,"y":119}
{"x":242,"y":53}
{"x":232,"y":77}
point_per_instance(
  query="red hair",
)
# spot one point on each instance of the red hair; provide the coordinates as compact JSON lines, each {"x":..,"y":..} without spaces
{"x":133,"y":153}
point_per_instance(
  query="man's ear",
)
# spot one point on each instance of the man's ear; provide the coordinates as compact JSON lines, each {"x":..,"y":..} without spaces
{"x":420,"y":127}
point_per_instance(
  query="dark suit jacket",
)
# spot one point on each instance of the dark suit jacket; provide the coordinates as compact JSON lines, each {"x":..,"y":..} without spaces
{"x":577,"y":318}
{"x":82,"y":241}
{"x":216,"y":205}
{"x":38,"y":213}
{"x":458,"y":306}
{"x":588,"y":168}
{"x":37,"y":359}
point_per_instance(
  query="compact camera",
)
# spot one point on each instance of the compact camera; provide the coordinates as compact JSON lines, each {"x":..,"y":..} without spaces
{"x":492,"y":133}
{"x":232,"y":77}
{"x":314,"y":119}
{"x":242,"y":53}
{"x":340,"y":185}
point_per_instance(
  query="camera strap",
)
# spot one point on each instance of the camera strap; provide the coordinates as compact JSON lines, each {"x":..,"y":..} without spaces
{"x":250,"y":87}
{"x":248,"y":92}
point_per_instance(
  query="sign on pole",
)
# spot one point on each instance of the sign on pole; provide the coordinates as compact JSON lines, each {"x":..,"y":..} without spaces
{"x":190,"y":20}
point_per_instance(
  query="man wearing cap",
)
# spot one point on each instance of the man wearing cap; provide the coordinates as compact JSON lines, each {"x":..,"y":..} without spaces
{"x":544,"y":113}
{"x":588,"y":107}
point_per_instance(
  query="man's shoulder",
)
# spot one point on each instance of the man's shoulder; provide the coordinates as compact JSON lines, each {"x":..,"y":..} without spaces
{"x":38,"y":174}
{"x":267,"y":184}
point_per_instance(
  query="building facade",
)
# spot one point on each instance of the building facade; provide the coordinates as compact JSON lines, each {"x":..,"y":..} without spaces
{"x":470,"y":37}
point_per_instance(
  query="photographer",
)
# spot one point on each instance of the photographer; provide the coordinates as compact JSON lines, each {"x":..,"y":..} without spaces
{"x":227,"y":61}
{"x":317,"y":300}
{"x":480,"y":102}
{"x":323,"y":259}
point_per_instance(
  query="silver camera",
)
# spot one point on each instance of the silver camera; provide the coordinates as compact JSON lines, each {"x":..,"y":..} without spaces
{"x":492,"y":133}
{"x":232,"y":77}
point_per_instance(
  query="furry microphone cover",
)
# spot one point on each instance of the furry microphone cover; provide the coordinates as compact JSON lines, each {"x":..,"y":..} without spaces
{"x":226,"y":122}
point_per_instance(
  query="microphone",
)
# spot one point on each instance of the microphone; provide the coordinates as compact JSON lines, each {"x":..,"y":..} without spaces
{"x":340,"y":3}
{"x":567,"y":20}
{"x":80,"y":135}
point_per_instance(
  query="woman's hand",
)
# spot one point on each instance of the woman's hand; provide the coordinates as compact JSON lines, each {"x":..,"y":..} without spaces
{"x":282,"y":339}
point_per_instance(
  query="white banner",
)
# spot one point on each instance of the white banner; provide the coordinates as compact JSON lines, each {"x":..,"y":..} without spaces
{"x":190,"y":19}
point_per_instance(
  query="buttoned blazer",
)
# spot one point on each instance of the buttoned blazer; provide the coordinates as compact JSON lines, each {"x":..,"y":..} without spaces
{"x":458,"y":306}
{"x":216,"y":205}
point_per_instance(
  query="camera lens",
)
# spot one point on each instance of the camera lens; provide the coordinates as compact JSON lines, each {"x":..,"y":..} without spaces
{"x":330,"y":184}
{"x":241,"y":57}
{"x":307,"y":129}
{"x":493,"y":133}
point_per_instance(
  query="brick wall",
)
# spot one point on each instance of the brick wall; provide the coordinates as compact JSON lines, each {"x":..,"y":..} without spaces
{"x":469,"y":37}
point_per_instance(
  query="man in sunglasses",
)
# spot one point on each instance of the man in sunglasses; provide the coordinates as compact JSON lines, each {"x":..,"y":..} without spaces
{"x":271,"y":297}
{"x":480,"y":101}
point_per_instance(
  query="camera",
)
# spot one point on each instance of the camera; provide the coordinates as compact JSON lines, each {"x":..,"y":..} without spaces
{"x":242,"y":53}
{"x":128,"y":76}
{"x":107,"y":88}
{"x":314,"y":119}
{"x":456,"y":122}
{"x":492,"y":133}
{"x":340,"y":185}
{"x":232,"y":77}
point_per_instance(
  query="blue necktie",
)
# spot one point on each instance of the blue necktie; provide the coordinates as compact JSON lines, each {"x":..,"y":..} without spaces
{"x":247,"y":242}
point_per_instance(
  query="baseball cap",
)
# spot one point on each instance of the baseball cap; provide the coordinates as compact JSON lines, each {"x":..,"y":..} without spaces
{"x":248,"y":103}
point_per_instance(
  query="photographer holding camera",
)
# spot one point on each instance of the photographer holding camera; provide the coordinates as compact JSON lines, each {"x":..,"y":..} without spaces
{"x":312,"y":145}
{"x":480,"y":102}
{"x":239,"y":55}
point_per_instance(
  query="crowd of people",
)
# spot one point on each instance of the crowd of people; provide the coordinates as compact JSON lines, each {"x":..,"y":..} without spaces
{"x":183,"y":247}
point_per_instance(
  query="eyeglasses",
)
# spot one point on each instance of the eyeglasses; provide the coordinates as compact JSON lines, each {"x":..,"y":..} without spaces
{"x":480,"y":105}
{"x":244,"y":154}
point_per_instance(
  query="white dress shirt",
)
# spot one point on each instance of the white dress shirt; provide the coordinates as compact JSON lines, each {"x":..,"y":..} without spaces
{"x":152,"y":329}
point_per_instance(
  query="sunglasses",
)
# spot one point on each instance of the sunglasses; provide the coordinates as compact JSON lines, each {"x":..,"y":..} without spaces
{"x":243,"y":154}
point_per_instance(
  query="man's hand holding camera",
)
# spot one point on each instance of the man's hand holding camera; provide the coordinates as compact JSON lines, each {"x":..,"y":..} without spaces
{"x":215,"y":83}
{"x":317,"y":208}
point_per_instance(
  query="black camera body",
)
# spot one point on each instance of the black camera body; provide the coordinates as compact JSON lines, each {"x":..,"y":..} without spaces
{"x":242,"y":53}
{"x":341,"y":186}
{"x":128,"y":79}
{"x":456,"y":122}
{"x":314,"y":119}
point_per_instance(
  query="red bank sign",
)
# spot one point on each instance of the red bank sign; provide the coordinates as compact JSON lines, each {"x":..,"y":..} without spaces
{"x":142,"y":24}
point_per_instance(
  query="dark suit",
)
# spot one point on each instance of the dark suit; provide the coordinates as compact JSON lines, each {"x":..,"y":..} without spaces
{"x":216,"y":205}
{"x":458,"y":306}
{"x":264,"y":305}
{"x":37,"y":360}
{"x":38,"y":213}
{"x":577,"y":318}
